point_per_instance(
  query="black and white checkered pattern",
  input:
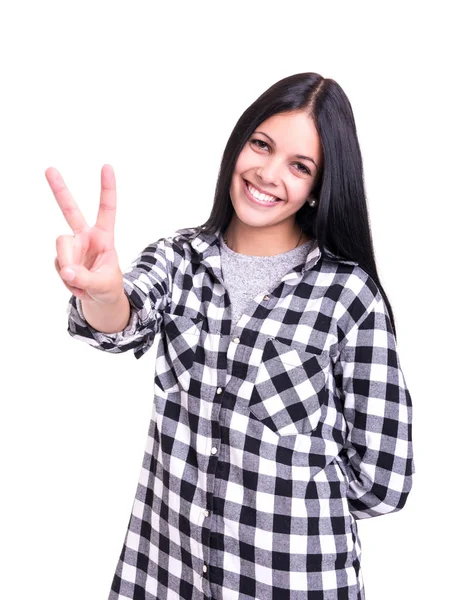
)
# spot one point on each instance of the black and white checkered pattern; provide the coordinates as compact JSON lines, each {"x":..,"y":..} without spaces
{"x":268,"y":441}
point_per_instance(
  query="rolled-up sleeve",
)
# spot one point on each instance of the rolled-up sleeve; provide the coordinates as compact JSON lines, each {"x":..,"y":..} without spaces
{"x":377,"y":455}
{"x":147,"y":286}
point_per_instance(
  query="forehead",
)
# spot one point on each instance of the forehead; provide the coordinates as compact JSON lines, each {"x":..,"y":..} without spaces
{"x":293,"y":133}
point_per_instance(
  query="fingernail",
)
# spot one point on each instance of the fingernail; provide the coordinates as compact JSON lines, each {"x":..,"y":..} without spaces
{"x":68,"y":274}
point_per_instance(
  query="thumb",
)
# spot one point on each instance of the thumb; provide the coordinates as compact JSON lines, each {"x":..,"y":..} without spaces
{"x":79,"y":276}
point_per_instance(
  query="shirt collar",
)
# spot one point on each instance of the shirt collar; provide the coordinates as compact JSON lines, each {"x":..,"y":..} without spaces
{"x":206,"y":248}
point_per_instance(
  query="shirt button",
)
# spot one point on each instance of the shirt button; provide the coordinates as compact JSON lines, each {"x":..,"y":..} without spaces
{"x":236,"y":340}
{"x":219,"y":390}
{"x":266,"y":297}
{"x":205,"y":569}
{"x":206,"y":513}
{"x":213,"y":450}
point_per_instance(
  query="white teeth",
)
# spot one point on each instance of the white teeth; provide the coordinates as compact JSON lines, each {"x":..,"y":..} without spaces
{"x":260,"y":196}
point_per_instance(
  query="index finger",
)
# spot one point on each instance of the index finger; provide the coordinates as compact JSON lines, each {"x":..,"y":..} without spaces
{"x":108,"y":202}
{"x":67,"y":204}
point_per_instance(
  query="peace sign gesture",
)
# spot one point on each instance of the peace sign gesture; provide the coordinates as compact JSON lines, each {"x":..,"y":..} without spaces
{"x":87,"y":261}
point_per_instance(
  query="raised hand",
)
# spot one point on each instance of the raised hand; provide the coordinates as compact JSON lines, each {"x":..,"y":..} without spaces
{"x":87,"y":261}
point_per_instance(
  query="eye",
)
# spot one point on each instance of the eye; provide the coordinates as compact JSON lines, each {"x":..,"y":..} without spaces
{"x":303,"y":169}
{"x":258,"y":143}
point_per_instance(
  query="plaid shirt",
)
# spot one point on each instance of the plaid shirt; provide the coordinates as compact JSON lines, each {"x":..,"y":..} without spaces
{"x":268,"y":441}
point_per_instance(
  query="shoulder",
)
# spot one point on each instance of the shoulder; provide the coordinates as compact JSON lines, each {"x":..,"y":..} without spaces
{"x":182,"y":237}
{"x":353,"y":280}
{"x":355,"y":292}
{"x":175,"y":241}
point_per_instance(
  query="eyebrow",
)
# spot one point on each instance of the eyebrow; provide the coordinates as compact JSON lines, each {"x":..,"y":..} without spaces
{"x":297,"y":155}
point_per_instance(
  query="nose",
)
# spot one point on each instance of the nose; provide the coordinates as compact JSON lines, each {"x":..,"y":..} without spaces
{"x":270,"y":170}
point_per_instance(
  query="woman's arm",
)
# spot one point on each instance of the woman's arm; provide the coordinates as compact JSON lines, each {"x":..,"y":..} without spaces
{"x":377,"y":456}
{"x":147,"y":288}
{"x":107,"y":318}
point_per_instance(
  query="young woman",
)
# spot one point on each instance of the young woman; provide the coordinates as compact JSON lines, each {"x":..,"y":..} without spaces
{"x":282,"y":415}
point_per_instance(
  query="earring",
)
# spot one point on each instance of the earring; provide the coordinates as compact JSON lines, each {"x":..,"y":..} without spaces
{"x":312,"y":202}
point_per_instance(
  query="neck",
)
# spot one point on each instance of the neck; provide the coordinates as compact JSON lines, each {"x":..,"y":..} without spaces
{"x":263,"y":243}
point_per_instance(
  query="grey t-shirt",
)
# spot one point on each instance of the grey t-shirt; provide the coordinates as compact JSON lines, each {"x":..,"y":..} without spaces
{"x":260,"y":273}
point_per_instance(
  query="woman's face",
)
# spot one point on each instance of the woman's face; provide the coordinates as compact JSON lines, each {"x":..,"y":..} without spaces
{"x":281,"y":159}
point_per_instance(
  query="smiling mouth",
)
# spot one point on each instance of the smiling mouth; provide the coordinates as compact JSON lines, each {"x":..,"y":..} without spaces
{"x":259,"y":195}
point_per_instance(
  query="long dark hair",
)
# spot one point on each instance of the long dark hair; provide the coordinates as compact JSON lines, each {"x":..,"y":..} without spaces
{"x":340,"y":219}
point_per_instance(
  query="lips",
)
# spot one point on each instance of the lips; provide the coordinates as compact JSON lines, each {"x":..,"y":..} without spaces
{"x":261,"y":191}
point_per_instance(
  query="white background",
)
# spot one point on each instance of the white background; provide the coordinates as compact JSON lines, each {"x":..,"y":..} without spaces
{"x":154,"y":90}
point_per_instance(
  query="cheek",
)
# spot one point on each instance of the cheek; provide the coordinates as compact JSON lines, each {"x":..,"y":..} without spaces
{"x":235,"y":182}
{"x":236,"y":177}
{"x":301,"y":190}
{"x":245,"y":161}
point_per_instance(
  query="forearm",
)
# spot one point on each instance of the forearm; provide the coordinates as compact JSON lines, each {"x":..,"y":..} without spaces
{"x":107,"y":318}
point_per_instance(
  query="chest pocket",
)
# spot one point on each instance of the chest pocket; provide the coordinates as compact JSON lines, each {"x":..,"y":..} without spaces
{"x":182,"y":335}
{"x":290,"y":388}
